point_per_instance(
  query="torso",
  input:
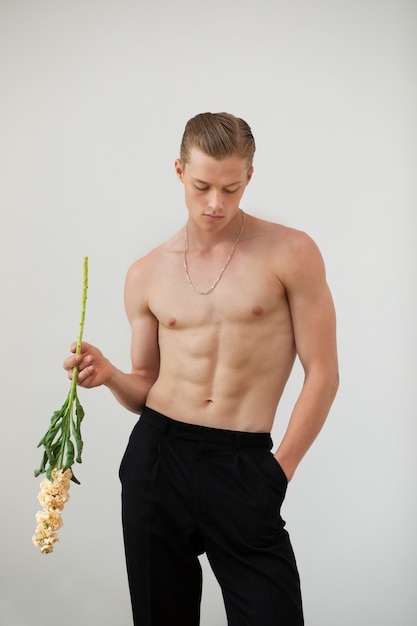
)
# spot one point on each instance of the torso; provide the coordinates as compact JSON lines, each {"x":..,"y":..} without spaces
{"x":226,"y":356}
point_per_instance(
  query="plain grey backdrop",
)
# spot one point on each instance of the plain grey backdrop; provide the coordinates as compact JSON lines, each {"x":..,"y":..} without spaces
{"x":94,"y":99}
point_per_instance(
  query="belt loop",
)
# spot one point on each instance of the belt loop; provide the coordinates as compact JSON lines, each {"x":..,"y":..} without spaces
{"x":238,"y":439}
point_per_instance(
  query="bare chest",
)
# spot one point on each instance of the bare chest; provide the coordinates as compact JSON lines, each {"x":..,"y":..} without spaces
{"x":248,"y":293}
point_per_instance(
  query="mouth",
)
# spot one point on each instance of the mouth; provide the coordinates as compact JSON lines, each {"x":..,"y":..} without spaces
{"x":212,"y":218}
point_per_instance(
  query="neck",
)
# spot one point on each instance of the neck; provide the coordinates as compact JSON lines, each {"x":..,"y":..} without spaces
{"x":201,"y":238}
{"x":229,"y":258}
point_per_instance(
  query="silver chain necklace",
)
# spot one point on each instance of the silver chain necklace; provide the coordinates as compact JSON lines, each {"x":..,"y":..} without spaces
{"x":229,"y":258}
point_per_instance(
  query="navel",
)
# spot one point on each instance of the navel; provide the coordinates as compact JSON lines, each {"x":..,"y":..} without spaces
{"x":171,"y":322}
{"x":257,"y":310}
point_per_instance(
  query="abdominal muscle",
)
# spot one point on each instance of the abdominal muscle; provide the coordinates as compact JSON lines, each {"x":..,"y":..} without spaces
{"x":225,"y":375}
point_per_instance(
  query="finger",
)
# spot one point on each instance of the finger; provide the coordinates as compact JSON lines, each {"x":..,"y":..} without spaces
{"x":84,"y":369}
{"x":83,"y":362}
{"x":86,"y":376}
{"x":84,"y":347}
{"x":71,"y":361}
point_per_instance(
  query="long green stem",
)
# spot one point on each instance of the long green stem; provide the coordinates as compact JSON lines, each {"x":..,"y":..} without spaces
{"x":73,"y":389}
{"x":81,"y":325}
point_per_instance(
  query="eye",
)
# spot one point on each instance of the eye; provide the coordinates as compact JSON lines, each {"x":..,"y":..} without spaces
{"x":200,"y":188}
{"x":231,"y":190}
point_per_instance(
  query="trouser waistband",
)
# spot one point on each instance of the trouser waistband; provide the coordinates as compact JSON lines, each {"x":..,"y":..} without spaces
{"x":194,"y":432}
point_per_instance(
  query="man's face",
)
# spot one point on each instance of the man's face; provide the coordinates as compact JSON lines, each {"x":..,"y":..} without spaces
{"x":213,"y":188}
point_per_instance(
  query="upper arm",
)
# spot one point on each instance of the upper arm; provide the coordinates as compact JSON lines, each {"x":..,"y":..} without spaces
{"x":311,"y":305}
{"x":144,"y":325}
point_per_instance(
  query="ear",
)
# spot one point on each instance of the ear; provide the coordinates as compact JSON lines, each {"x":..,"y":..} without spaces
{"x":249,"y":175}
{"x":179,"y":169}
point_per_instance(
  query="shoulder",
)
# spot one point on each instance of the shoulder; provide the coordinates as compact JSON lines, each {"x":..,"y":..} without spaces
{"x":292,"y":253}
{"x":143,"y":272}
{"x":290,"y":244}
{"x":143,"y":269}
{"x":300,"y":263}
{"x":298,"y":251}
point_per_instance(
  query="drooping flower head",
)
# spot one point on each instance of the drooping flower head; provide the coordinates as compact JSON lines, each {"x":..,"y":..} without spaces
{"x":52,"y":496}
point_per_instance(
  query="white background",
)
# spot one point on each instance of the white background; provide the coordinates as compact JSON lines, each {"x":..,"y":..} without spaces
{"x":94,"y":99}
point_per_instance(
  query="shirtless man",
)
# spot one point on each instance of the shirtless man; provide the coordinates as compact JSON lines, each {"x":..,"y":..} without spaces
{"x":218,"y":314}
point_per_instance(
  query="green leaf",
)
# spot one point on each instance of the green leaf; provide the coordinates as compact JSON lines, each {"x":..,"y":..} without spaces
{"x":42,"y":465}
{"x":76,"y":429}
{"x":70,"y":456}
{"x":74,"y":479}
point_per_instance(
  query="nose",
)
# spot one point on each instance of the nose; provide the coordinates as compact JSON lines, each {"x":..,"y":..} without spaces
{"x":215,"y":201}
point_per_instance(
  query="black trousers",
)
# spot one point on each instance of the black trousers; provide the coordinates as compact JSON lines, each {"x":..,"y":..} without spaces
{"x":190,"y":489}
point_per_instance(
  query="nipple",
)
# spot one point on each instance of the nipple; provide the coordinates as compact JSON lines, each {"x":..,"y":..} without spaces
{"x":257,"y":310}
{"x":171,"y":322}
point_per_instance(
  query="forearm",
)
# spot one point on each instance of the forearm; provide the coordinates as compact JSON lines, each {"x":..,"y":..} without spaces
{"x":307,"y":419}
{"x":130,"y":390}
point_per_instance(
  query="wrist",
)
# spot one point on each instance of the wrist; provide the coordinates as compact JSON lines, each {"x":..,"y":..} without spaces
{"x":286,"y":465}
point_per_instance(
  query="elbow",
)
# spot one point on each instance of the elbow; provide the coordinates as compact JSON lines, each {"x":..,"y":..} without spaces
{"x":332,"y":378}
{"x":326,"y":379}
{"x":334,"y":383}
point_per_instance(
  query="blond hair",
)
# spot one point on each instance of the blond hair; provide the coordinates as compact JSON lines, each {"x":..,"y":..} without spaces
{"x":219,"y":135}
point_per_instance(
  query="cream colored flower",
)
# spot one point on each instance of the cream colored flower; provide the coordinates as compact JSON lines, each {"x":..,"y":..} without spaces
{"x":49,"y":519}
{"x":52,"y":497}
